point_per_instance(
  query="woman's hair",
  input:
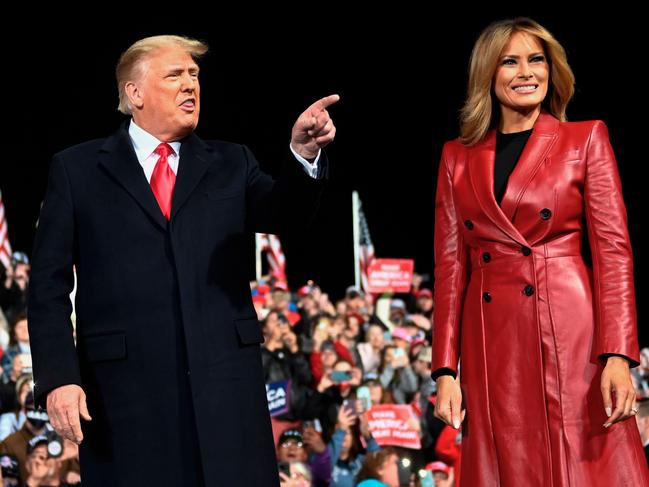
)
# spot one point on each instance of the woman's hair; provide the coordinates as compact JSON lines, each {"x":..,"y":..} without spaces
{"x":481,"y":110}
{"x":373,"y":463}
{"x":12,"y":332}
{"x":356,"y":447}
{"x":21,"y":381}
{"x":384,"y":352}
{"x":130,"y":64}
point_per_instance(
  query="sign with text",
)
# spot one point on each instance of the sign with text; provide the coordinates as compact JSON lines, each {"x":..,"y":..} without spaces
{"x":395,"y":425}
{"x":277,"y":394}
{"x":390,"y":275}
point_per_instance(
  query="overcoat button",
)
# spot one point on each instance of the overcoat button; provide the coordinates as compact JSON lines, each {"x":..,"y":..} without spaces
{"x":486,"y":297}
{"x":486,"y":257}
{"x":526,"y":250}
{"x":545,"y":214}
{"x":528,"y":290}
{"x":468,"y":224}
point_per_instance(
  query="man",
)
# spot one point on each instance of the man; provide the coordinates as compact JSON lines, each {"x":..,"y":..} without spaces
{"x":16,"y":444}
{"x":155,"y":221}
{"x":41,"y":469}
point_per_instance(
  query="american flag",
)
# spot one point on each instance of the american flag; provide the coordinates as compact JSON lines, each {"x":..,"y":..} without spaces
{"x":366,"y":246}
{"x":270,"y":245}
{"x":5,"y":247}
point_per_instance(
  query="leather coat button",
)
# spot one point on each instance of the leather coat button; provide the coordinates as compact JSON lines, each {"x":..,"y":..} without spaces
{"x":528,"y":290}
{"x":486,"y":297}
{"x":468,"y":224}
{"x":526,"y":250}
{"x":486,"y":257}
{"x":545,"y":213}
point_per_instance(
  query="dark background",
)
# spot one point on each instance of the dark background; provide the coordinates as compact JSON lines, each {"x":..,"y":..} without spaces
{"x":401,"y":75}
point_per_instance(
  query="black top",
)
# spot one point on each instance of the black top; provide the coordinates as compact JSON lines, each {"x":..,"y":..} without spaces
{"x":508,"y":150}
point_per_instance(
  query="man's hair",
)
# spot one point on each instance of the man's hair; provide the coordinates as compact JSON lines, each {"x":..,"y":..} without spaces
{"x":129,"y":66}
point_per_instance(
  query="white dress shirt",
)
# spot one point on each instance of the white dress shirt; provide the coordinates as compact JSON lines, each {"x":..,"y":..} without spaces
{"x":145,"y":144}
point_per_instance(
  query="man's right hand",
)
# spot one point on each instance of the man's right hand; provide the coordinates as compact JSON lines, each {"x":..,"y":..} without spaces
{"x":64,"y":405}
{"x":448,"y":406}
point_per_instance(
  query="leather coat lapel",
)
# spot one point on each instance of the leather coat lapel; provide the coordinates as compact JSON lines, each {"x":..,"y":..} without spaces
{"x":481,"y":158}
{"x":539,"y":144}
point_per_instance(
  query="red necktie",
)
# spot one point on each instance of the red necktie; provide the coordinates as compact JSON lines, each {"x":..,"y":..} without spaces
{"x":163,"y":179}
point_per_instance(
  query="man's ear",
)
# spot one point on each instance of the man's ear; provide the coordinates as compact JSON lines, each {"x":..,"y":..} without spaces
{"x":134,"y":94}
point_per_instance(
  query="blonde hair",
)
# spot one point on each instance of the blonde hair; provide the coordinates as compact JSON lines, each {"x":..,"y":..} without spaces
{"x":480,"y":111}
{"x":129,"y":66}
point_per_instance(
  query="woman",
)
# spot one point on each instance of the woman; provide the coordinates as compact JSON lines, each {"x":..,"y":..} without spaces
{"x":379,"y":469}
{"x":345,"y":447}
{"x":18,"y":343}
{"x":396,"y":374}
{"x":546,"y":342}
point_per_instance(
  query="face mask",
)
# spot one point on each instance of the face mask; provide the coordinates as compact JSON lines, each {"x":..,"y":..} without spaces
{"x":36,"y":423}
{"x":37,"y":418}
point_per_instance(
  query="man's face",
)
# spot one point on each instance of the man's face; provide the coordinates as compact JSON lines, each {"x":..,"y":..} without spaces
{"x":424,"y":303}
{"x":292,"y":451}
{"x":39,"y":453}
{"x":281,"y":300}
{"x":166,"y":96}
{"x":421,"y":367}
{"x":21,"y":275}
{"x":40,"y":466}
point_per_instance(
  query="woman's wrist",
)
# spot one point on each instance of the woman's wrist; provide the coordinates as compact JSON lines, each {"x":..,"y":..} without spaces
{"x":617,"y":359}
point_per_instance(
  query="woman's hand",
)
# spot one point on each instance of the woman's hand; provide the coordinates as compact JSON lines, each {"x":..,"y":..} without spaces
{"x":448,"y":406}
{"x":616,"y":378}
{"x":345,"y":419}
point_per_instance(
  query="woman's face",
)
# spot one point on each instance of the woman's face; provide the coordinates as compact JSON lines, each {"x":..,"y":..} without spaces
{"x":521,"y":79}
{"x":375,"y":336}
{"x":376,"y":394}
{"x":24,"y":390}
{"x":388,"y":356}
{"x":21,"y":332}
{"x":336,"y":328}
{"x":328,"y":357}
{"x":351,"y":328}
{"x":389,"y":471}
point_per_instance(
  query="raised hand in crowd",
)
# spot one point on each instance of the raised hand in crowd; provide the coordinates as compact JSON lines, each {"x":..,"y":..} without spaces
{"x":346,"y":418}
{"x":325,"y":383}
{"x":290,"y":341}
{"x":313,"y":440}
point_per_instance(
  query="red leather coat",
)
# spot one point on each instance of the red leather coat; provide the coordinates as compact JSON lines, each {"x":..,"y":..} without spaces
{"x":512,"y":293}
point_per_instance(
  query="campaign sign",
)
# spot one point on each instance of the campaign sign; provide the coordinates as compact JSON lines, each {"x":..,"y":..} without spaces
{"x":390,"y":275}
{"x":395,"y":425}
{"x":277,"y":394}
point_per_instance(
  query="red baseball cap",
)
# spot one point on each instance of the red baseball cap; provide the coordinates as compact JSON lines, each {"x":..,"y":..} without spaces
{"x":280,"y":285}
{"x":304,"y":291}
{"x":424,"y":293}
{"x":439,"y":467}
